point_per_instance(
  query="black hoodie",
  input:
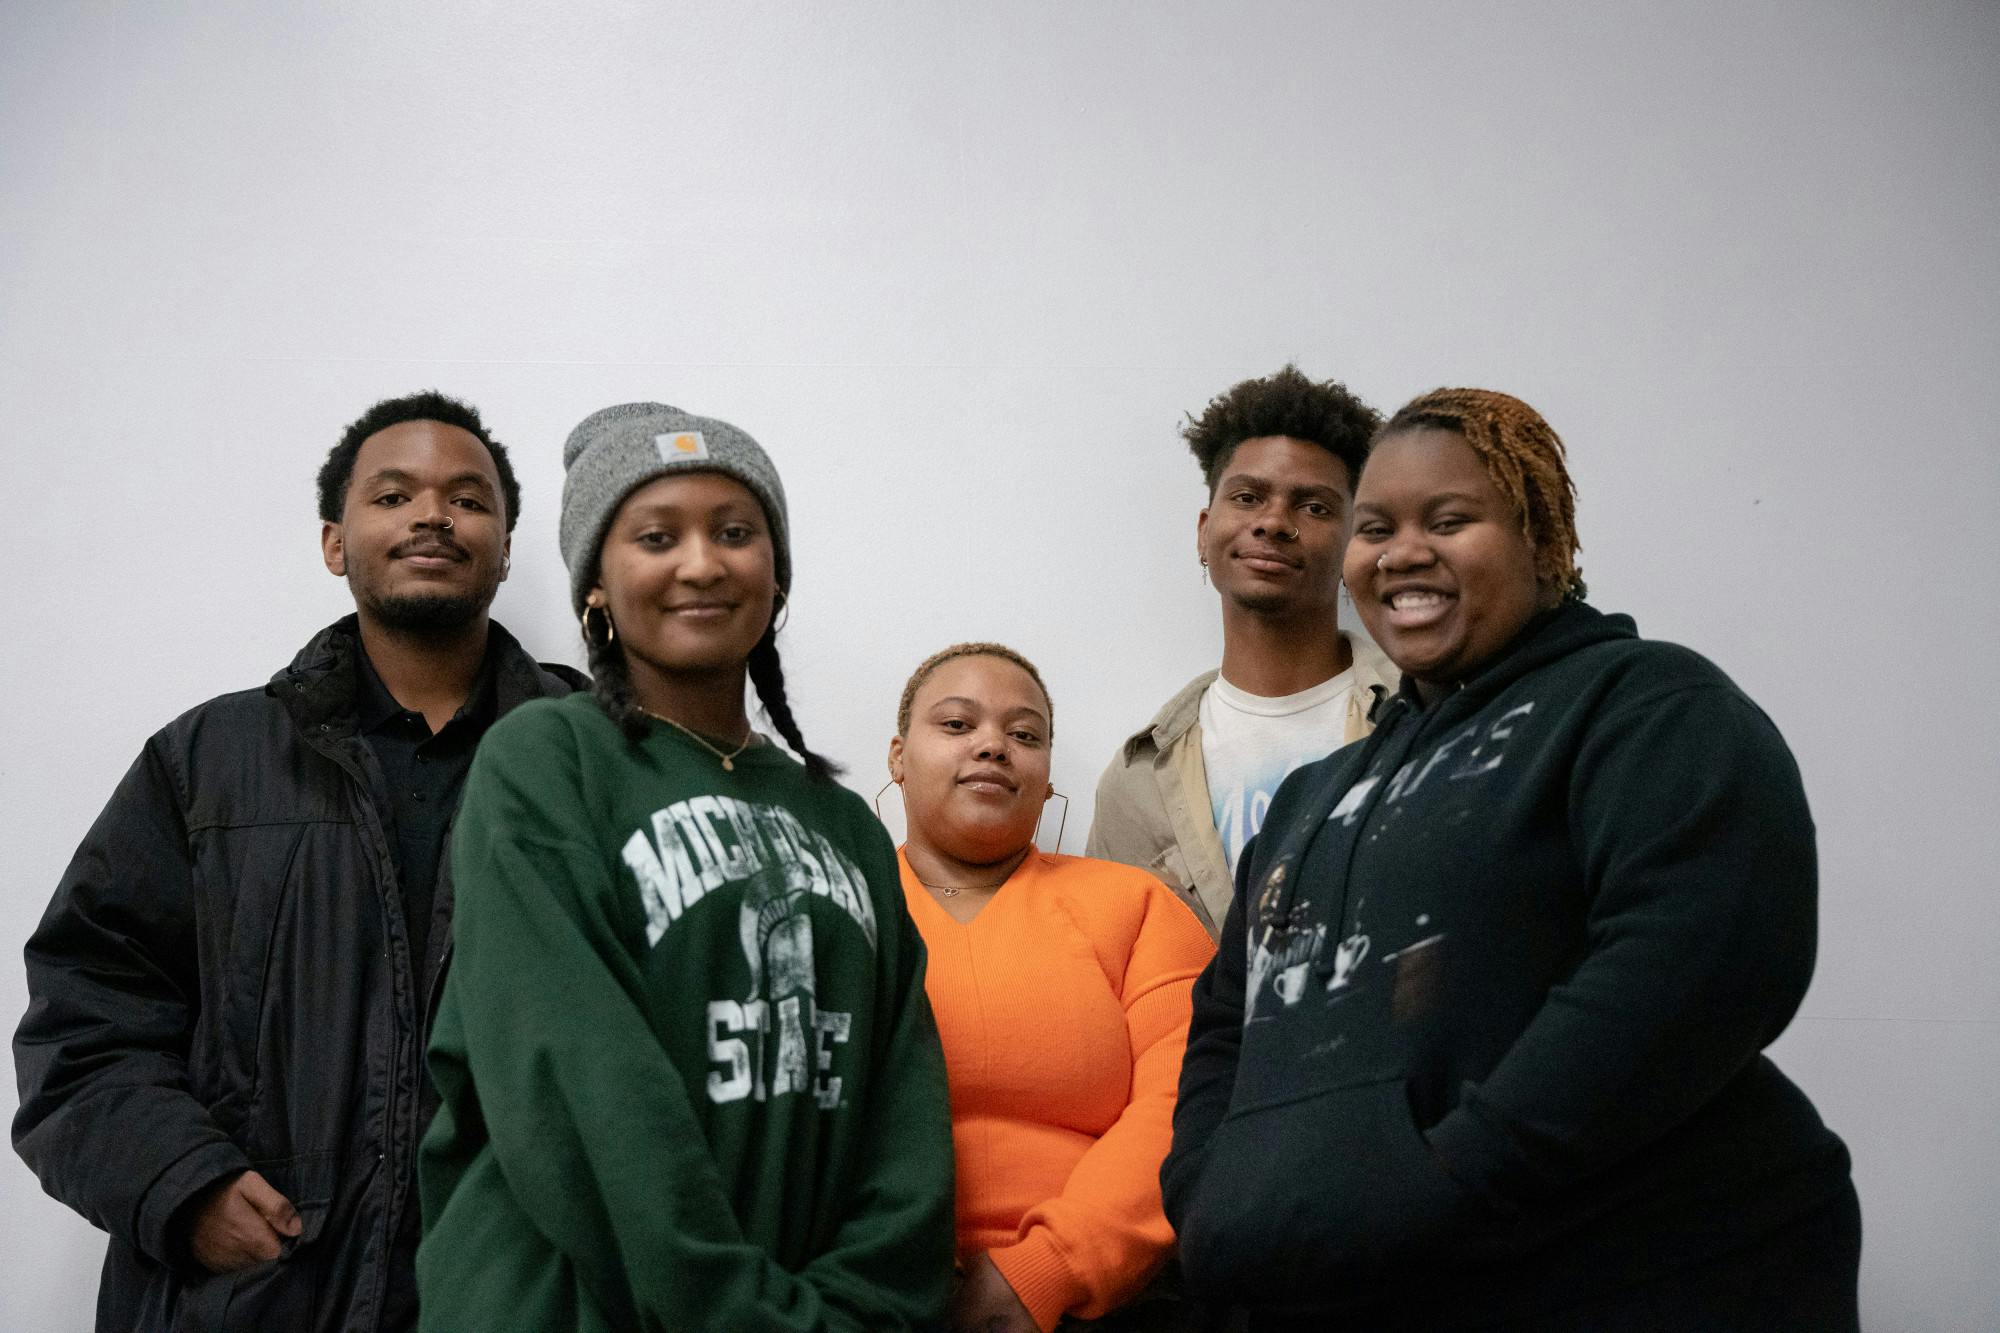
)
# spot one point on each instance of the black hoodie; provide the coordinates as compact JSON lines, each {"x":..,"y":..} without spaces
{"x":1482,"y":1039}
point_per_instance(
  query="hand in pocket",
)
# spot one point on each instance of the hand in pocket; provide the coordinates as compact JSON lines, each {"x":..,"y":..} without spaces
{"x":241,"y":1222}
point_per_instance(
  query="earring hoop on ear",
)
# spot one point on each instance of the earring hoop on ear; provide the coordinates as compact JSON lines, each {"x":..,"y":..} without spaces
{"x":1062,"y":823}
{"x":878,"y":798}
{"x":784,"y":610}
{"x":610,"y":630}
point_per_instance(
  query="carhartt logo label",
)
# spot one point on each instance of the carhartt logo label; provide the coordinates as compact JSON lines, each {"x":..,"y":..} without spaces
{"x":681,"y":445}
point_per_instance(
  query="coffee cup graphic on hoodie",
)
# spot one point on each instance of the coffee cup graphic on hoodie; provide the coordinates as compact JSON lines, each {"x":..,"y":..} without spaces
{"x":1281,"y":964}
{"x":1347,"y":957}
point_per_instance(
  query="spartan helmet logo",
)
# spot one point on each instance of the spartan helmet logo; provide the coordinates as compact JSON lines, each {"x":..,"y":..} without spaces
{"x":775,"y":926}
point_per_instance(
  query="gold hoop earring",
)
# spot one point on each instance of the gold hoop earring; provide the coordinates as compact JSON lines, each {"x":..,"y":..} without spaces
{"x":878,"y":798}
{"x":1062,"y":823}
{"x":610,"y":630}
{"x":784,"y":609}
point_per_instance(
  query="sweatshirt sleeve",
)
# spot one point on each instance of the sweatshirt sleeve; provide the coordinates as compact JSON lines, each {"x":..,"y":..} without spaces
{"x":1698,"y":860}
{"x":588,"y":1119}
{"x":890,"y":1263}
{"x":1092,"y":1247}
{"x":107,"y":1118}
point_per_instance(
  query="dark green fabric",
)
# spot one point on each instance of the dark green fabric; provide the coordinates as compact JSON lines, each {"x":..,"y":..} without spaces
{"x":617,"y":1149}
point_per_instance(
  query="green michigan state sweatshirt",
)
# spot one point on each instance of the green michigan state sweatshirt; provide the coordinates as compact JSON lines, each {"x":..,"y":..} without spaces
{"x":689,"y":1077}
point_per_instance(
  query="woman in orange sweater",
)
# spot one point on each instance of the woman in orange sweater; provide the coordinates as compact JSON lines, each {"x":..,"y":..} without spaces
{"x":1061,"y":988}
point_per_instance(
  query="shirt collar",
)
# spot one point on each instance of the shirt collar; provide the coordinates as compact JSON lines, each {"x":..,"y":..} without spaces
{"x":374,"y":706}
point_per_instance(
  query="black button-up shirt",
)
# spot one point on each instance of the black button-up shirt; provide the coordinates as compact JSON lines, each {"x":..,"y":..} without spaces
{"x":422,"y":775}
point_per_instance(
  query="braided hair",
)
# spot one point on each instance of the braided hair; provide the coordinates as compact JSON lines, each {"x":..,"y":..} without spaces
{"x":1523,"y":456}
{"x":611,"y":686}
{"x":768,"y":675}
{"x":611,"y":681}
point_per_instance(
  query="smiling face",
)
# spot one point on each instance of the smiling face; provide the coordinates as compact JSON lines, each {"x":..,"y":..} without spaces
{"x":974,"y":766}
{"x":686,"y":573}
{"x":1438,"y":566}
{"x":1272,"y":532}
{"x":422,"y":537}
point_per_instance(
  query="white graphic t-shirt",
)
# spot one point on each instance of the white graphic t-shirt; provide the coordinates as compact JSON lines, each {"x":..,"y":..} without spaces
{"x":1249,"y":743}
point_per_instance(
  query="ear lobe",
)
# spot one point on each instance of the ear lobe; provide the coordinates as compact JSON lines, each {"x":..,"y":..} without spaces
{"x":506,"y":556}
{"x":333,"y":549}
{"x":896,"y":760}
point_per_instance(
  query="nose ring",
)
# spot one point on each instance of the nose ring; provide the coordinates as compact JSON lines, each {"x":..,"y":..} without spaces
{"x":446,"y":525}
{"x":1380,"y":558}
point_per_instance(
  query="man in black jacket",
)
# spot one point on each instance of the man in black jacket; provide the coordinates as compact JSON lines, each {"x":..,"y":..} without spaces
{"x":222,"y":1060}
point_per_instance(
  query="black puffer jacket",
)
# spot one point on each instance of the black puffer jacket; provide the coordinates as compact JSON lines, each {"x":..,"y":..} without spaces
{"x":222,"y":982}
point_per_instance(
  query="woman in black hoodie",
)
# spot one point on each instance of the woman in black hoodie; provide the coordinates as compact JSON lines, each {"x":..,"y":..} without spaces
{"x":1481,"y":1048}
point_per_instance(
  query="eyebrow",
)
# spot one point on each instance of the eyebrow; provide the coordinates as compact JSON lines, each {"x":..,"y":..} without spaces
{"x":964,"y":702}
{"x":730,"y":508}
{"x":1430,"y":501}
{"x":1252,"y":479}
{"x":402,"y":478}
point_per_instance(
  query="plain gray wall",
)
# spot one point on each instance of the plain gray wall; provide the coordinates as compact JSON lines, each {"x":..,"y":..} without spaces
{"x":962,"y":267}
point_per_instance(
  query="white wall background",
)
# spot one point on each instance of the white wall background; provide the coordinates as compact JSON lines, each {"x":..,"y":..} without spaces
{"x":962,"y":267}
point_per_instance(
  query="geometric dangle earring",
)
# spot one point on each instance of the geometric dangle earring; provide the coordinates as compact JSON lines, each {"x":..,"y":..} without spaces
{"x":893,"y":835}
{"x":878,"y":798}
{"x":1061,"y":824}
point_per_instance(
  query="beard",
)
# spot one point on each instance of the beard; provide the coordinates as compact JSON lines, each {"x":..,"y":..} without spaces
{"x":1263,"y":602}
{"x":428,"y":616}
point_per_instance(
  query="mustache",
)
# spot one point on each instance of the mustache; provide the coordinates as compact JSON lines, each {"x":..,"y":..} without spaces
{"x":429,"y":544}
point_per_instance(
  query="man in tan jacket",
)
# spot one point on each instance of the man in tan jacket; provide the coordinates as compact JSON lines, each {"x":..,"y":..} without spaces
{"x":1184,"y":794}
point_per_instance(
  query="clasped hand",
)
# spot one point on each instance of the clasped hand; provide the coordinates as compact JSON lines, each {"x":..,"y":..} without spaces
{"x":984,"y":1303}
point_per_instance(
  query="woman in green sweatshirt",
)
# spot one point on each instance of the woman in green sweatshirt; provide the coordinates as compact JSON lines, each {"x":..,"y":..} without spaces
{"x":689,"y":1076}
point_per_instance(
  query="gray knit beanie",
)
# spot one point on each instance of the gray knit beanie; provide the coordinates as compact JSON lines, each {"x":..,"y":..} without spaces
{"x":614,"y":452}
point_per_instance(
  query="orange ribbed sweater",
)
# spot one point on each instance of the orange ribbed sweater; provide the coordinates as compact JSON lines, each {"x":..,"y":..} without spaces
{"x":1063,"y":1007}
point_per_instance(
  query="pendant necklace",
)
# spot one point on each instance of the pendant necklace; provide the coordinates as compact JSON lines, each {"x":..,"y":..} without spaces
{"x":728,"y":757}
{"x":954,"y":890}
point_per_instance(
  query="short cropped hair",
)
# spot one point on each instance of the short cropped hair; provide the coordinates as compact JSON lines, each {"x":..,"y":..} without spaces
{"x":429,"y":405}
{"x":928,"y":667}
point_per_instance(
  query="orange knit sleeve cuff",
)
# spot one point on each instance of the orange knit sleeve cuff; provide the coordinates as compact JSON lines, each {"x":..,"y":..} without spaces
{"x":1035,"y":1268}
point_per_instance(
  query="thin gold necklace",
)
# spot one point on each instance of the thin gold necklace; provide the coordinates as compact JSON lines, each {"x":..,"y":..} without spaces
{"x":952,"y":891}
{"x":728,"y":758}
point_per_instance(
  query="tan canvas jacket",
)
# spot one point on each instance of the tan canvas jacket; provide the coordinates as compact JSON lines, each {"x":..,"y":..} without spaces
{"x":1153,"y":809}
